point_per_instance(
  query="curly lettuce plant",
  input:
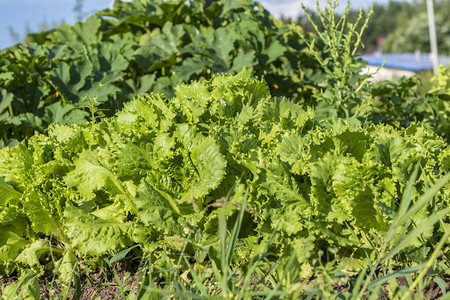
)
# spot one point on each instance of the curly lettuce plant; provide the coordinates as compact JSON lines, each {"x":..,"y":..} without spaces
{"x":160,"y":166}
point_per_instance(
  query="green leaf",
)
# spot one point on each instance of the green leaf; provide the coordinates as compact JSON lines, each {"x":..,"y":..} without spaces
{"x":284,"y":187}
{"x":65,"y":266}
{"x":9,"y":214}
{"x":229,"y":5}
{"x":121,"y":254}
{"x":322,"y":196}
{"x":69,"y":80}
{"x":64,"y":113}
{"x":7,"y":192}
{"x":416,"y":232}
{"x":44,"y":212}
{"x":32,"y":253}
{"x":396,"y":274}
{"x":210,"y":166}
{"x":192,"y":66}
{"x":294,"y":150}
{"x":27,"y":287}
{"x":244,"y":60}
{"x":94,"y":236}
{"x":156,"y":211}
{"x":353,"y":185}
{"x":12,"y":241}
{"x":133,"y":163}
{"x":142,"y":85}
{"x":159,"y":45}
{"x":224,"y":40}
{"x":273,"y":51}
{"x":80,"y":35}
{"x":192,"y":100}
{"x":90,"y":175}
{"x":108,"y":57}
{"x":5,"y":100}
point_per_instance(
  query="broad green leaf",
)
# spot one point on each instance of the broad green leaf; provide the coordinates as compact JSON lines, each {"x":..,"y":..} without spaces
{"x":44,"y":212}
{"x":193,"y":100}
{"x":294,"y":150}
{"x":210,"y":166}
{"x":141,"y":85}
{"x":274,"y":50}
{"x":244,"y":60}
{"x":192,"y":66}
{"x":80,"y":35}
{"x":5,"y":76}
{"x":133,"y":163}
{"x":90,"y":176}
{"x":94,"y":236}
{"x":12,"y":241}
{"x":156,"y":211}
{"x":18,"y":173}
{"x":108,"y":57}
{"x":283,"y":186}
{"x":322,"y":196}
{"x":159,"y":45}
{"x":7,"y":192}
{"x":10,"y":213}
{"x":5,"y":100}
{"x":64,"y":113}
{"x":114,"y":212}
{"x":32,"y":253}
{"x":229,"y":5}
{"x":101,"y":87}
{"x":69,"y":80}
{"x":223,"y":44}
{"x":353,"y":185}
{"x":65,"y":266}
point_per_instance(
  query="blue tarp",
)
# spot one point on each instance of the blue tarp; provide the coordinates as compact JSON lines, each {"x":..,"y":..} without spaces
{"x":404,"y":61}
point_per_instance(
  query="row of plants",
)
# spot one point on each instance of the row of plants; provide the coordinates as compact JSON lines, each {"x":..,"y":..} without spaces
{"x":286,"y":179}
{"x":159,"y":169}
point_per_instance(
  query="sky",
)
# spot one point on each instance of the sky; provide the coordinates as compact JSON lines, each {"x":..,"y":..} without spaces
{"x":17,"y":15}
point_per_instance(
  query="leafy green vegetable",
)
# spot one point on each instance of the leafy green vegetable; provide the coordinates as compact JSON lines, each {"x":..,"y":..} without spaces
{"x":160,"y":166}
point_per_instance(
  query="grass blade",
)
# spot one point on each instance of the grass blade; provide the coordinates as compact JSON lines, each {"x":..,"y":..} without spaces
{"x":197,"y":280}
{"x":423,"y":226}
{"x":121,"y":255}
{"x":424,"y":199}
{"x":223,"y":242}
{"x":236,"y":229}
{"x":397,"y":274}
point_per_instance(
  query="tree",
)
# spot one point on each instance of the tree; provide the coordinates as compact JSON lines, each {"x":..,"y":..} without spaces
{"x":403,"y":24}
{"x":411,"y":31}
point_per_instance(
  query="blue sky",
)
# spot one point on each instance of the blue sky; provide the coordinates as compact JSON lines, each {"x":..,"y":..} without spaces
{"x":19,"y":14}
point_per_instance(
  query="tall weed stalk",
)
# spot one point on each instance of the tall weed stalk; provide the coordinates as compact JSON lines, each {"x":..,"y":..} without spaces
{"x":343,"y":91}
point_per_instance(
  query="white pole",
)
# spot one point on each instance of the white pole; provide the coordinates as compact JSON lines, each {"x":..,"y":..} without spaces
{"x":433,"y":40}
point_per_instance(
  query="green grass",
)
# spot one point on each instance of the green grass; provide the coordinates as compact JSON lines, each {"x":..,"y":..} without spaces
{"x":260,"y":276}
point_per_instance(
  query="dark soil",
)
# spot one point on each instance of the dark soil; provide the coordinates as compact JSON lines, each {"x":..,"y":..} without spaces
{"x":101,"y":285}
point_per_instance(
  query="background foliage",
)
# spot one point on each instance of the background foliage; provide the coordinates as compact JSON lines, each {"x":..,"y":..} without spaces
{"x":142,"y":47}
{"x":158,"y":169}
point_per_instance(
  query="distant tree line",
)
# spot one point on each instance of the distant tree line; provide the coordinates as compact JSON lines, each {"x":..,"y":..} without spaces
{"x":403,"y":26}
